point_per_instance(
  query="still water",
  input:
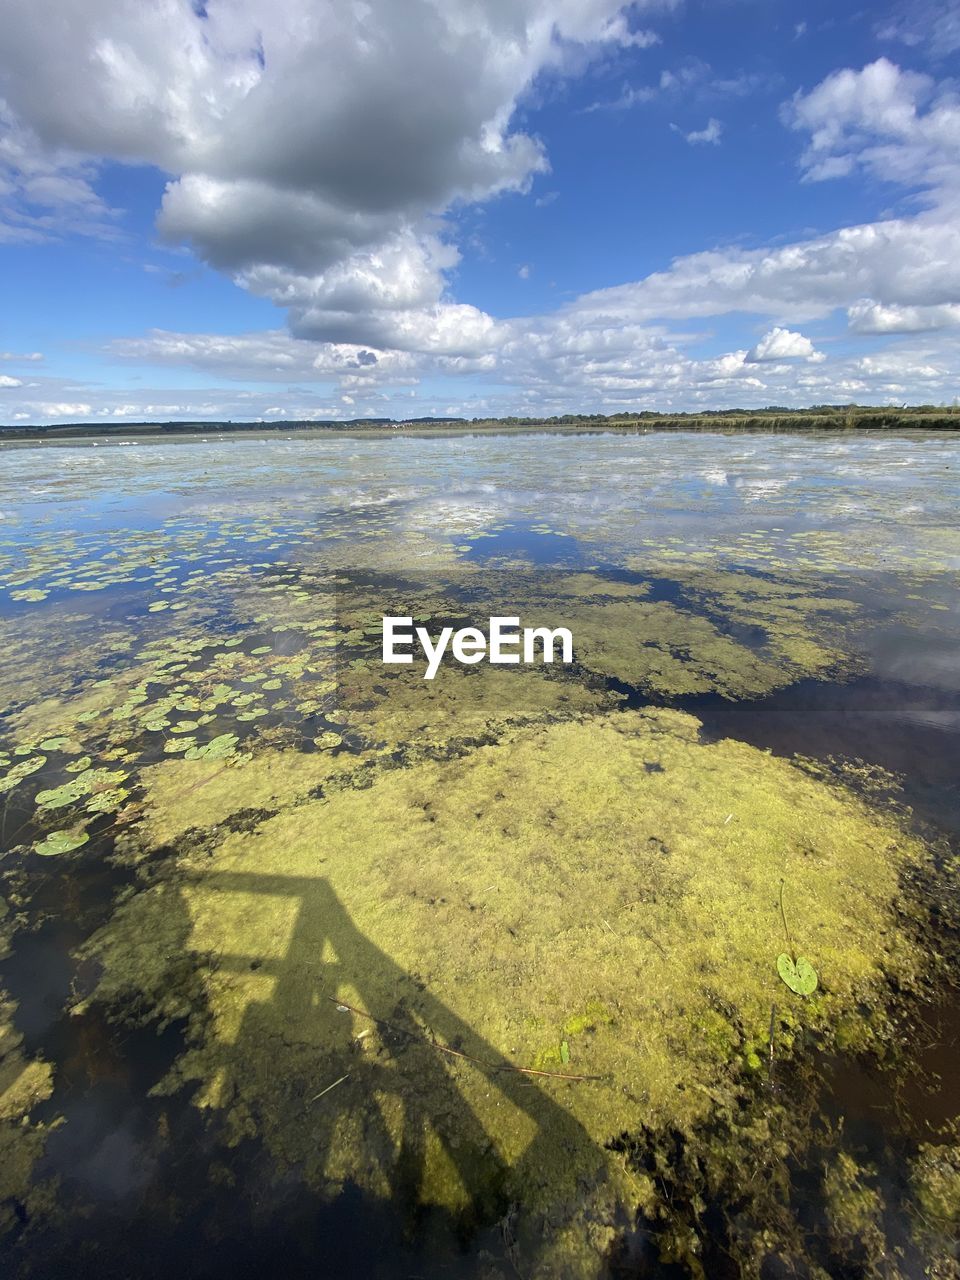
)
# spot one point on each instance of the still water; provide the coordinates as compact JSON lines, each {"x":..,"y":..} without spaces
{"x":310,"y":966}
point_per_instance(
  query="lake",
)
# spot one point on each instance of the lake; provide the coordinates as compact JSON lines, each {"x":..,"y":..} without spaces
{"x":643,"y":964}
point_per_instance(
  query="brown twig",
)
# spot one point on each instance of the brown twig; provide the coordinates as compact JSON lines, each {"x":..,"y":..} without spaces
{"x":457,"y":1053}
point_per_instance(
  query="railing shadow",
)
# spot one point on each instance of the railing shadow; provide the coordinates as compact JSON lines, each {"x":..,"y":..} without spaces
{"x":326,"y":959}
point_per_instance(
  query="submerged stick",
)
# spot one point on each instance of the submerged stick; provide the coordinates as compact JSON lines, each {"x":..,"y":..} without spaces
{"x":329,"y":1087}
{"x":786,"y":931}
{"x":457,"y":1053}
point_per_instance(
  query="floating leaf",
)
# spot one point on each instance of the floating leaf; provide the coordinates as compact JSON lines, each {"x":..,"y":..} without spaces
{"x":21,"y":771}
{"x":60,"y":842}
{"x":57,"y":797}
{"x":800,"y":977}
{"x":107,"y":801}
{"x":217,"y":749}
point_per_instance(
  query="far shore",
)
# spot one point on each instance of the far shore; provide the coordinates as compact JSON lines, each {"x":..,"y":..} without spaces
{"x":832,"y":418}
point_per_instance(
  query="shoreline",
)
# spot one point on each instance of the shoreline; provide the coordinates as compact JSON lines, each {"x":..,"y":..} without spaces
{"x":800,"y":422}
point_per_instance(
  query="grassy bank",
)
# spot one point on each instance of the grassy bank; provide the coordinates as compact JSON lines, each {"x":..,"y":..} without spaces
{"x":818,"y":418}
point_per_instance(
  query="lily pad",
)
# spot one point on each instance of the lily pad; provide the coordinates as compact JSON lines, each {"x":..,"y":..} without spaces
{"x":21,"y":771}
{"x":800,"y":976}
{"x":60,"y":842}
{"x":57,"y":797}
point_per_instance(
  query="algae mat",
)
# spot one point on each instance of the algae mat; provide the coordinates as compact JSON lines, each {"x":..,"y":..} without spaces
{"x":507,"y":972}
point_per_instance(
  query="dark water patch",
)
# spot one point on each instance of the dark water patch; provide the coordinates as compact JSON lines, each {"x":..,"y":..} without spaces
{"x":525,"y":540}
{"x":911,"y":730}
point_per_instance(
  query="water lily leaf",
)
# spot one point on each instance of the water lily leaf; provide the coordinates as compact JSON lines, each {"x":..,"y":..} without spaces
{"x":107,"y":801}
{"x":60,"y":842}
{"x":21,"y":771}
{"x":800,"y":977}
{"x":57,"y":797}
{"x":216,"y":749}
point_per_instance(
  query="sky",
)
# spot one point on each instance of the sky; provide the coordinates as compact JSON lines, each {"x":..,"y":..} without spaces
{"x":326,"y":209}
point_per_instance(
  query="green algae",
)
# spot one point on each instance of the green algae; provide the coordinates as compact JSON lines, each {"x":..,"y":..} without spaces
{"x":554,"y":881}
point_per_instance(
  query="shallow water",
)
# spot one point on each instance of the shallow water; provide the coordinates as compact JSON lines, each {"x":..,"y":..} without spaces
{"x":191,"y":635}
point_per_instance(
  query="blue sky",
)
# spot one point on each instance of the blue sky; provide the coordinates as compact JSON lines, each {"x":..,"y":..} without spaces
{"x":302,"y":209}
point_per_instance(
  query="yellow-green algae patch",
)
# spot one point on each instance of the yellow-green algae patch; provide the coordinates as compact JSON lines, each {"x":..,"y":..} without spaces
{"x":609,"y":885}
{"x":398,"y":708}
{"x":669,"y":651}
{"x":24,"y":1082}
{"x":184,"y":794}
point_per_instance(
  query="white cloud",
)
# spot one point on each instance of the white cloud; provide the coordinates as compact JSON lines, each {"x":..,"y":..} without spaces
{"x":545,"y":364}
{"x":524,"y":271}
{"x":64,"y":410}
{"x":933,"y":23}
{"x":874,"y":317}
{"x":314,"y":150}
{"x":897,"y":125}
{"x":710,"y":133}
{"x":6,"y":381}
{"x":311,"y":145}
{"x":45,"y":192}
{"x":18,"y":356}
{"x":905,"y":261}
{"x":782,"y":344}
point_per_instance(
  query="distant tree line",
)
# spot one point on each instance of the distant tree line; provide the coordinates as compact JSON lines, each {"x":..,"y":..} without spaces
{"x":772,"y":418}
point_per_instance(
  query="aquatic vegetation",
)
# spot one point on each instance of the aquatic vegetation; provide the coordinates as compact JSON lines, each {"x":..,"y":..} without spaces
{"x":556,"y":890}
{"x":366,"y":910}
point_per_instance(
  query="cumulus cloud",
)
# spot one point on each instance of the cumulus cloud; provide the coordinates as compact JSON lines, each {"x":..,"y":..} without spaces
{"x":6,"y":381}
{"x":898,"y":125}
{"x":894,"y":124}
{"x":314,"y":150}
{"x":782,"y":344}
{"x":311,"y":145}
